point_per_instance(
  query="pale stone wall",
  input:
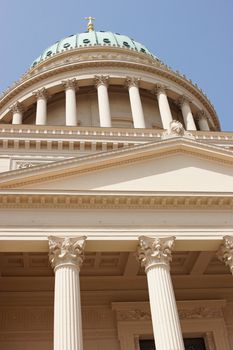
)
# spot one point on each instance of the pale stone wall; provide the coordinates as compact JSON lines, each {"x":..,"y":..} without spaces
{"x":87,"y":110}
{"x":26,"y":320}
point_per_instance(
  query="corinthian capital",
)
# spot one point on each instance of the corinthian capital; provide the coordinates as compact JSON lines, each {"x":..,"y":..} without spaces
{"x":70,"y":84}
{"x":182,"y":100}
{"x":42,"y":93}
{"x":101,"y":80}
{"x":17,"y":107}
{"x":132,"y":81}
{"x":159,"y":89}
{"x":155,"y":251}
{"x":201,"y":115}
{"x":225,"y":253}
{"x":66,"y":251}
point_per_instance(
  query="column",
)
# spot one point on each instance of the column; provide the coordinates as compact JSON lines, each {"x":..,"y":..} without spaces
{"x":41,"y":106}
{"x":135,"y":102}
{"x":66,"y":256}
{"x":71,"y":109}
{"x":225,"y":253}
{"x":187,"y":113}
{"x":155,"y":255}
{"x":202,"y":119}
{"x":164,"y":108}
{"x":17,"y":110}
{"x":101,"y":83}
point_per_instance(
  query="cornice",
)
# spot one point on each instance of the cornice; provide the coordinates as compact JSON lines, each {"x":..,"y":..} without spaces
{"x":107,"y":60}
{"x":96,"y":200}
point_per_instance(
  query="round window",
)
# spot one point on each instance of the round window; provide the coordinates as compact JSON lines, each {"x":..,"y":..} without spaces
{"x":126,"y":44}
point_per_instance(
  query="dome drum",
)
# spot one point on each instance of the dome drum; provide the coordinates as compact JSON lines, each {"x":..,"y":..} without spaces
{"x":116,"y":56}
{"x":87,"y":103}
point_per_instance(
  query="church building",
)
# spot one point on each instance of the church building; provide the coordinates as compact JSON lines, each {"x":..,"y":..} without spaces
{"x":116,"y":203}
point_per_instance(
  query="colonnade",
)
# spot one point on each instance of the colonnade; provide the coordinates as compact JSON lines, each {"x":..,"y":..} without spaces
{"x":155,"y":254}
{"x":102,"y":83}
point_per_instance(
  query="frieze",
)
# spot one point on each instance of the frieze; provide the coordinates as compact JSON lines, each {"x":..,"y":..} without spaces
{"x":200,"y":312}
{"x":185,"y":313}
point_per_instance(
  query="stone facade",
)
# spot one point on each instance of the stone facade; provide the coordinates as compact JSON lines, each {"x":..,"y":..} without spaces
{"x":109,"y":159}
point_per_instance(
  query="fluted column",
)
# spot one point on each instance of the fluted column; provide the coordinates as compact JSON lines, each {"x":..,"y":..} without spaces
{"x":66,"y":256}
{"x":202,"y":120}
{"x":187,"y":113}
{"x":225,"y":253}
{"x":17,"y":111}
{"x":41,"y":106}
{"x":101,"y":83}
{"x":164,"y":108}
{"x":135,"y":102}
{"x":70,"y":86}
{"x":155,"y":255}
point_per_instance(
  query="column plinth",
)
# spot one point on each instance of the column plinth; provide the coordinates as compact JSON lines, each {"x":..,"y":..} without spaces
{"x":70,"y":86}
{"x":66,"y":256}
{"x":202,"y":120}
{"x":135,"y":102}
{"x":101,"y":83}
{"x":155,"y":255}
{"x":225,"y":253}
{"x":17,"y":111}
{"x":164,"y":108}
{"x":41,"y":106}
{"x":187,"y":113}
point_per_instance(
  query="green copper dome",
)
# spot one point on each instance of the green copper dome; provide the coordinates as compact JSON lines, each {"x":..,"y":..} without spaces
{"x":92,"y":38}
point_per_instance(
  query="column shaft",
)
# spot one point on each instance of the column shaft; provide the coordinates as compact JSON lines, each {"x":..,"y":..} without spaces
{"x":164,"y":108}
{"x":155,"y":255}
{"x":135,"y":103}
{"x":202,"y":121}
{"x":71,"y":113}
{"x":67,"y":310}
{"x":187,"y":115}
{"x":165,"y":320}
{"x":41,"y":106}
{"x":71,"y":109}
{"x":103,"y":101}
{"x":41,"y":111}
{"x":17,"y":118}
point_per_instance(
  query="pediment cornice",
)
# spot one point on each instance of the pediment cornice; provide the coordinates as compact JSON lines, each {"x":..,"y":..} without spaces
{"x":120,"y":157}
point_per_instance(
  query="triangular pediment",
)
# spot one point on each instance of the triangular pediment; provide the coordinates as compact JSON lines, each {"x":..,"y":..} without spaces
{"x":170,"y":165}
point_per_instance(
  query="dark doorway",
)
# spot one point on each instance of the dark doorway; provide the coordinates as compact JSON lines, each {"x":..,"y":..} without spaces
{"x":189,"y":343}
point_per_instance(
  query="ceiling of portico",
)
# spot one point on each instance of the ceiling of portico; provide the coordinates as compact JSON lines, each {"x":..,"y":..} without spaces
{"x":110,"y":264}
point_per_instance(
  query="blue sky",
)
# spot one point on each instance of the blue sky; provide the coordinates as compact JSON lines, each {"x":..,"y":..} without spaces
{"x":192,"y":36}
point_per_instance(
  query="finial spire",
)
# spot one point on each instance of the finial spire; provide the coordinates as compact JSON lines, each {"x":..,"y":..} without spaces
{"x":90,"y":25}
